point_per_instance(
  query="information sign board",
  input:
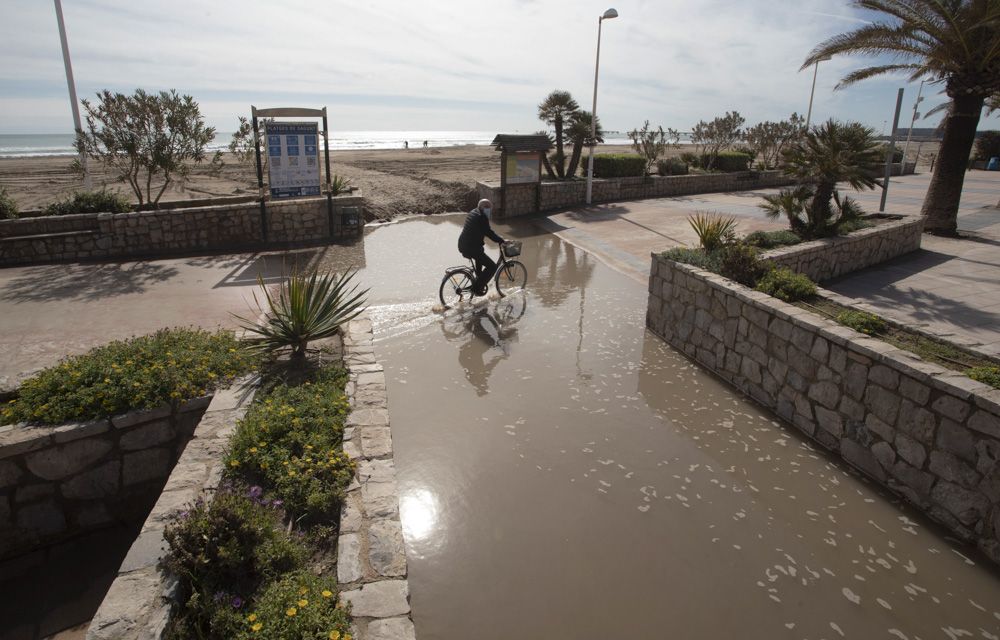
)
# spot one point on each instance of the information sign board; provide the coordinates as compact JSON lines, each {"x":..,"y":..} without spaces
{"x":523,"y":168}
{"x":292,"y":159}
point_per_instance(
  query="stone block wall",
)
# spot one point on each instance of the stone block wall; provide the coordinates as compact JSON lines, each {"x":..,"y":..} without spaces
{"x":831,"y":257}
{"x":929,"y":435}
{"x":57,"y":482}
{"x":561,"y":195}
{"x":101,"y":236}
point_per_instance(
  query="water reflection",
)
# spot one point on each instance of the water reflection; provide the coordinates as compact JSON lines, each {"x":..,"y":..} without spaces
{"x":560,"y":269}
{"x":419,"y":514}
{"x":486,"y":334}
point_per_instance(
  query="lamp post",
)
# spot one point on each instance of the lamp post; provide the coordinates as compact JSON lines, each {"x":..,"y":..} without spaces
{"x":813,"y":92}
{"x":909,"y":132}
{"x":72,"y":90}
{"x":609,"y":14}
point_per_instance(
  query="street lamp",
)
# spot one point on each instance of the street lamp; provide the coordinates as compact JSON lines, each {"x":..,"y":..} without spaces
{"x":72,"y":90}
{"x":609,"y":14}
{"x":909,"y":132}
{"x":813,"y":92}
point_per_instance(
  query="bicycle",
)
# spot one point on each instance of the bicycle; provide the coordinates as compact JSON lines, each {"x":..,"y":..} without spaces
{"x":511,"y":276}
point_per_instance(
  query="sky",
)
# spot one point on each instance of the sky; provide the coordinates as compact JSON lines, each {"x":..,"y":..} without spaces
{"x":444,"y":64}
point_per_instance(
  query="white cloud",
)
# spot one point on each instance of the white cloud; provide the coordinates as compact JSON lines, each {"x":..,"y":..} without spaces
{"x":442,"y":64}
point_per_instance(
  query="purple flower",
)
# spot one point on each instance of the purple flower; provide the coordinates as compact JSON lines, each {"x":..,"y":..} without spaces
{"x":219,"y":596}
{"x":277,"y":503}
{"x":237,"y":602}
{"x":255,"y":492}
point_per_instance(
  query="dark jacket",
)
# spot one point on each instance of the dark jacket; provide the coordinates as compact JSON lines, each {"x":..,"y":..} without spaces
{"x":477,"y":227}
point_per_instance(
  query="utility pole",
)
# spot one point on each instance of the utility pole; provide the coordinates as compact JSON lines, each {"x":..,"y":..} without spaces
{"x":909,"y":133}
{"x":891,"y":151}
{"x":72,"y":91}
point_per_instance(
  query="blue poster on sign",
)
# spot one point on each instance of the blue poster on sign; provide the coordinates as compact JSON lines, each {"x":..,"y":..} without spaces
{"x":288,"y":176}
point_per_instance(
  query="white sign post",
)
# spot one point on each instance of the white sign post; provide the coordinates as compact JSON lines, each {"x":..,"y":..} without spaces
{"x":292,"y":159}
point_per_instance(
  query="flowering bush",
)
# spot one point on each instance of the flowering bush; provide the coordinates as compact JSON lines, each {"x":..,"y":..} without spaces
{"x":171,"y":365}
{"x":290,"y":443}
{"x":300,"y":605}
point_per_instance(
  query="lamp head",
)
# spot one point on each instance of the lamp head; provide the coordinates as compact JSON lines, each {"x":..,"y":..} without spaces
{"x":610,"y":13}
{"x":824,"y":59}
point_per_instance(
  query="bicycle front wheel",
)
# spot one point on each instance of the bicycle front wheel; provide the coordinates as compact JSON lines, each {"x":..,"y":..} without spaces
{"x":456,"y":287}
{"x":511,"y":277}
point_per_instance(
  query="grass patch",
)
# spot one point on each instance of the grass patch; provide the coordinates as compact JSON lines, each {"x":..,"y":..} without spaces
{"x":171,"y":365}
{"x":771,"y":239}
{"x":986,"y":375}
{"x":785,"y":284}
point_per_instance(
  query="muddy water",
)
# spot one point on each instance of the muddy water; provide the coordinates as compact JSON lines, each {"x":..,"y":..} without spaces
{"x":564,"y":474}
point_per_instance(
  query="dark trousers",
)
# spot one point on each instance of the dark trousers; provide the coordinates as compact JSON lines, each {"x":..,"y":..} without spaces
{"x":485,"y":267}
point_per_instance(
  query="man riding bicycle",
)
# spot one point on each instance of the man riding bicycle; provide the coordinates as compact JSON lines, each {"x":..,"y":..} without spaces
{"x":471,"y":243}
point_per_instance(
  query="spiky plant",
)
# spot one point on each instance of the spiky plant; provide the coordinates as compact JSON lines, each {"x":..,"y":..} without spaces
{"x":955,"y":43}
{"x":712,"y":229}
{"x":307,"y":307}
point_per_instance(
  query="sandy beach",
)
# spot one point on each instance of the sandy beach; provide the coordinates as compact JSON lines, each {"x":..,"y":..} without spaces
{"x":395,"y":182}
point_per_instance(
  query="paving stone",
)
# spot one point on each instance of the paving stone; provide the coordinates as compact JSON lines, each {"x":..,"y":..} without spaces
{"x":147,"y":436}
{"x":383,"y":599}
{"x":910,"y":450}
{"x":350,"y":514}
{"x":391,"y":629}
{"x":101,"y":482}
{"x":377,"y":471}
{"x":386,"y":554}
{"x":951,"y":468}
{"x":66,"y":460}
{"x":376,"y":441}
{"x":71,"y":432}
{"x":349,"y":568}
{"x":379,"y":499}
{"x":142,"y":466}
{"x":126,"y":607}
{"x":146,"y":551}
{"x":967,"y":506}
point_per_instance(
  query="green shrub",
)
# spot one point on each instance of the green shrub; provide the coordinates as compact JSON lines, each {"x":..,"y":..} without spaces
{"x":854,"y":224}
{"x":785,"y":284}
{"x":308,"y":307}
{"x":672,"y":167}
{"x":772,"y":239}
{"x":713,"y":230}
{"x":986,"y":375}
{"x":987,"y":145}
{"x":102,"y":201}
{"x":741,"y":262}
{"x":300,"y":605}
{"x":8,"y":208}
{"x":339,"y":185}
{"x":289,"y":442}
{"x":729,"y":161}
{"x":883,"y":149}
{"x":618,"y":165}
{"x":862,"y":322}
{"x":223,"y":552}
{"x":694,"y":257}
{"x":171,"y":365}
{"x":691,"y":159}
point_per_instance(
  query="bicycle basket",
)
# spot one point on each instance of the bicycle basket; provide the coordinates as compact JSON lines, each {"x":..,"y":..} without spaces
{"x":512,"y":248}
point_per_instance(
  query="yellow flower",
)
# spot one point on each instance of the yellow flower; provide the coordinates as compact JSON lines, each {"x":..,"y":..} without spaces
{"x":256,"y":627}
{"x":303,"y":602}
{"x":253,"y":449}
{"x":234,"y":463}
{"x":291,"y":611}
{"x":251,"y":617}
{"x":347,"y":637}
{"x":327,"y":593}
{"x":107,"y":380}
{"x":263,"y":444}
{"x":303,"y":590}
{"x":334,"y":635}
{"x":291,"y":474}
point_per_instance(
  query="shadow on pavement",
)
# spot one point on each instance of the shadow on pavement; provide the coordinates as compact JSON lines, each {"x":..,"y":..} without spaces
{"x":85,"y":282}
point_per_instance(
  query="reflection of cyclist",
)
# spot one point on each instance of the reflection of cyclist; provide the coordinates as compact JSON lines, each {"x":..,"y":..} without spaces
{"x":471,"y":243}
{"x":488,"y":342}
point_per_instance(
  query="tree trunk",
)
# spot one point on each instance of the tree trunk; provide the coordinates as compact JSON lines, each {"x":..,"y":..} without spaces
{"x":820,"y":211}
{"x":560,"y":157}
{"x":548,"y":165}
{"x":574,"y":159}
{"x":940,"y":208}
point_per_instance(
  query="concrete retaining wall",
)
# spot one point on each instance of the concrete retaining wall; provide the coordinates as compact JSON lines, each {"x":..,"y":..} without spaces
{"x":831,"y":257}
{"x":57,"y":482}
{"x":930,"y":435}
{"x":99,"y":236}
{"x":520,"y":199}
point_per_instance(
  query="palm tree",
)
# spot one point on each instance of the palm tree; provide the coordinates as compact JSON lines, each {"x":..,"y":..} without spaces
{"x":579,"y":133}
{"x":955,"y":43}
{"x":830,"y":153}
{"x":556,"y":110}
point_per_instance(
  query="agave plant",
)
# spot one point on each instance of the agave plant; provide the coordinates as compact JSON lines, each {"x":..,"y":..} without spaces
{"x":713,"y":230}
{"x":307,"y":307}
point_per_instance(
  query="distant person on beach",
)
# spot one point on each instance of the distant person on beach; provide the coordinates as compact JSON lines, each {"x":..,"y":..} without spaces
{"x":406,"y":144}
{"x":471,"y":243}
{"x":425,"y":144}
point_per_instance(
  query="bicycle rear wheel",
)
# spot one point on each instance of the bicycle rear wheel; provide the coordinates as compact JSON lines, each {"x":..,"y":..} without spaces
{"x":511,"y":277}
{"x":456,"y":287}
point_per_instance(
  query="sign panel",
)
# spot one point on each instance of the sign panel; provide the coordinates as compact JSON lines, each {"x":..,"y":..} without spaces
{"x":292,"y":159}
{"x":524,"y":168}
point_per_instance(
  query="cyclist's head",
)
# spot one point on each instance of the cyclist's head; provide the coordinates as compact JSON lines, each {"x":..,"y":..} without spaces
{"x":485,"y":206}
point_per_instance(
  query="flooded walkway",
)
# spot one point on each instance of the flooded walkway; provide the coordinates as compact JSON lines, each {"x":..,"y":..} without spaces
{"x":564,"y":474}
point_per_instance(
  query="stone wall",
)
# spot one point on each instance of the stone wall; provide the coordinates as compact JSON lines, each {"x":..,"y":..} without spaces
{"x":57,"y":482}
{"x":560,"y":195}
{"x":831,"y":257}
{"x":929,"y":435}
{"x":101,"y":236}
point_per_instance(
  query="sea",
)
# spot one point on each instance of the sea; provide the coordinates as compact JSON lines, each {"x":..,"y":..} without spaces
{"x":58,"y":144}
